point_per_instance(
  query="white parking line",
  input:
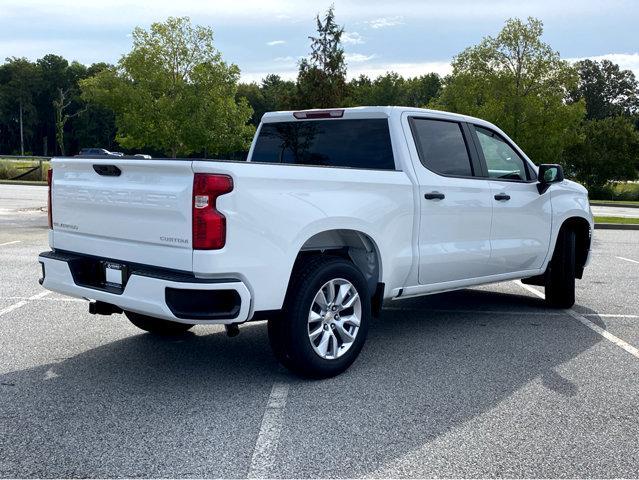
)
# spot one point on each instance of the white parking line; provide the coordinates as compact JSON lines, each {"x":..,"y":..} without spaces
{"x":604,"y":333}
{"x":38,"y":296}
{"x":22,"y":303}
{"x":10,"y":243}
{"x":627,"y":259}
{"x":583,"y":320}
{"x":471,"y":312}
{"x":532,"y":290}
{"x":58,"y":299}
{"x":13,"y":307}
{"x":497,"y":312}
{"x":265,"y":450}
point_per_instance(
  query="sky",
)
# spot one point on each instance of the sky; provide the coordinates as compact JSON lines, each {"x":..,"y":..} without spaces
{"x":270,"y":36}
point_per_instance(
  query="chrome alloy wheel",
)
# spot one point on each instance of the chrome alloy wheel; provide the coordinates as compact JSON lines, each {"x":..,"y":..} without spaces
{"x":334,"y":318}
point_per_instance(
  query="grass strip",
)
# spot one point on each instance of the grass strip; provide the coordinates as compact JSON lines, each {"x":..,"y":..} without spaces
{"x":618,"y":220}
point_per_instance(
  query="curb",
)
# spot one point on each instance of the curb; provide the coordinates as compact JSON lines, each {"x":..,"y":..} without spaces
{"x":615,"y":204}
{"x":20,"y":182}
{"x":616,"y":226}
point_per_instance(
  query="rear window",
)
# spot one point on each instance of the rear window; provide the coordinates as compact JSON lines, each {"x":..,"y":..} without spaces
{"x":330,"y":143}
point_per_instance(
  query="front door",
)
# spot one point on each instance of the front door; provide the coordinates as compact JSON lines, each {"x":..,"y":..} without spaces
{"x":522,"y":218}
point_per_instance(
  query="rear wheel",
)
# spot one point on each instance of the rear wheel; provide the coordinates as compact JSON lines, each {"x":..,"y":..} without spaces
{"x":560,"y":279}
{"x":325,"y":318}
{"x":157,"y":326}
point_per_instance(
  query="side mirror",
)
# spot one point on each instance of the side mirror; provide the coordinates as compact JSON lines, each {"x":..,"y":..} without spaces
{"x":549,"y":173}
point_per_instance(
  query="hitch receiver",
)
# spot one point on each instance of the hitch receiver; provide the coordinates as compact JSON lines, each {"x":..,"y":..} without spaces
{"x":232,"y":330}
{"x":103,"y":308}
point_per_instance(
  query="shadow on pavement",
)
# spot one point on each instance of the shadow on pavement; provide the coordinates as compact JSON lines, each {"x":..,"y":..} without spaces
{"x":422,"y":375}
{"x":146,"y":406}
{"x":141,"y":406}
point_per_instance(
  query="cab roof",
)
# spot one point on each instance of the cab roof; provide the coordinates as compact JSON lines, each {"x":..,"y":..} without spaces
{"x":365,"y":112}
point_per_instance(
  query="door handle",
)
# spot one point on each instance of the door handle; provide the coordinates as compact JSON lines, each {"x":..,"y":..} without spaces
{"x":502,"y":197}
{"x":434,"y":196}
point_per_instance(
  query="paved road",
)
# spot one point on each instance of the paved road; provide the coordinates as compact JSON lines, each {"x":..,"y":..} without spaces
{"x":22,"y":205}
{"x":615,"y":211}
{"x":481,"y":382}
{"x":16,"y":197}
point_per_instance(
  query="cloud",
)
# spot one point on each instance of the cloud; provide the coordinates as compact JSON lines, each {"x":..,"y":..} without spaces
{"x":384,"y":22}
{"x":352,"y":38}
{"x":372,"y":70}
{"x":626,"y":61}
{"x":358,"y":57}
{"x":108,"y":13}
{"x":275,"y":42}
{"x":415,"y":69}
{"x":629,"y":61}
{"x":88,"y":51}
{"x":287,"y":59}
{"x":97,"y":30}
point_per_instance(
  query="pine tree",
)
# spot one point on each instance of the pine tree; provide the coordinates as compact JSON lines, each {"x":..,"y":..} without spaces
{"x":321,"y":81}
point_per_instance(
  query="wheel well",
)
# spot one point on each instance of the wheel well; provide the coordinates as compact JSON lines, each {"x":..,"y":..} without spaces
{"x":583,"y":237}
{"x":352,"y":245}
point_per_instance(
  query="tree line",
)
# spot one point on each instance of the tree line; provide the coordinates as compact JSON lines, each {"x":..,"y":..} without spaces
{"x":174,"y":95}
{"x":41,"y":111}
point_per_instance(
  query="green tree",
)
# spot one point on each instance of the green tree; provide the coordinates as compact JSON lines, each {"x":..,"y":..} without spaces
{"x":19,"y":81}
{"x":360,"y":91}
{"x":321,"y":81}
{"x":388,"y":89}
{"x":393,"y":89}
{"x":607,"y":151}
{"x":422,"y":90}
{"x":174,"y":93}
{"x":607,"y":90}
{"x":278,"y":94}
{"x":61,"y":104}
{"x":252,"y":94}
{"x":45,"y":94}
{"x":56,"y":74}
{"x":271,"y":94}
{"x":95,"y":125}
{"x":519,"y":83}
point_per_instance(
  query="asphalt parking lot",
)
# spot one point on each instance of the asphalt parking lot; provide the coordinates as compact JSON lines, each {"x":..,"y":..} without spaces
{"x":481,"y":382}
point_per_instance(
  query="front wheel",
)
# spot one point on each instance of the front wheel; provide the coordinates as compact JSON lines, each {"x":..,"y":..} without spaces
{"x":325,"y":318}
{"x":560,"y":279}
{"x":157,"y":326}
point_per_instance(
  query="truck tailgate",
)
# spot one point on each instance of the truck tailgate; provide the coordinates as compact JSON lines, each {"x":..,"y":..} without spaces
{"x":136,"y":210}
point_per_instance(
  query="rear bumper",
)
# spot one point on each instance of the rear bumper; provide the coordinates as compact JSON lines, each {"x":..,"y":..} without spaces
{"x":170,"y":295}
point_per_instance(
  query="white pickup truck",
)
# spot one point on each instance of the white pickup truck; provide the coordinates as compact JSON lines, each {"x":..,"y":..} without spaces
{"x":334,"y":213}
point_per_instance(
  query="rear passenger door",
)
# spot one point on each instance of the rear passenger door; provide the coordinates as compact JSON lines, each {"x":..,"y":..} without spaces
{"x":455,"y":202}
{"x":522,"y":218}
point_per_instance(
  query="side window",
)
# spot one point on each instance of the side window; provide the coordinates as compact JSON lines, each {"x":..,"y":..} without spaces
{"x":501,"y":160}
{"x":442,"y":147}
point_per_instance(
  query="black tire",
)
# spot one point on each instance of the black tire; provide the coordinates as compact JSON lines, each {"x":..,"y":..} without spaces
{"x":288,"y":332}
{"x":560,"y":279}
{"x":157,"y":326}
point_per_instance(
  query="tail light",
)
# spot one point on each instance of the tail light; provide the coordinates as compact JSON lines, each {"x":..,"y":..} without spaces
{"x":49,"y":205}
{"x":209,"y":225}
